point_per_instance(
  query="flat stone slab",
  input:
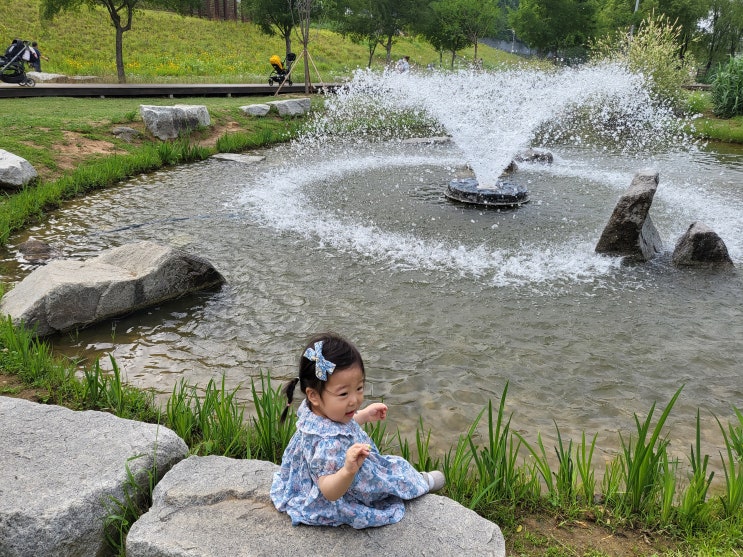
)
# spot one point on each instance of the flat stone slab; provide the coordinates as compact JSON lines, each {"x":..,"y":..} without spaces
{"x":238,"y":157}
{"x":434,"y":140}
{"x":216,"y":506}
{"x":58,"y":468}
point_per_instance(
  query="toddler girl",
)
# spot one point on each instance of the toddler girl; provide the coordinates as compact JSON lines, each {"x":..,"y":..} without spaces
{"x":331,"y":472}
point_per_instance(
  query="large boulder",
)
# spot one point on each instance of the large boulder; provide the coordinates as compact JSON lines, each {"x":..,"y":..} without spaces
{"x":15,"y":172}
{"x":259,"y":109}
{"x":168,"y":122}
{"x":701,"y":245}
{"x":291,"y":107}
{"x":59,"y":469}
{"x":214,"y":506}
{"x":67,"y":294}
{"x":630,"y":231}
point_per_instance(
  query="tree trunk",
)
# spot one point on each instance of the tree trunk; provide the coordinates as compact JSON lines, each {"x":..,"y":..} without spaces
{"x":372,"y":49}
{"x":120,"y":53}
{"x":388,"y":48}
{"x":288,"y":42}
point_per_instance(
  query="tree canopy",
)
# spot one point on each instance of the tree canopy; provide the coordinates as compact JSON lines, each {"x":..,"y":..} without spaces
{"x":551,"y":25}
{"x":274,"y":17}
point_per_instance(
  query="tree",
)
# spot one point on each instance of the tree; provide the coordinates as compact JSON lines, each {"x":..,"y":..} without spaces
{"x":120,"y":12}
{"x":684,"y":14}
{"x":551,"y":25}
{"x":304,"y":11}
{"x":443,"y":27}
{"x":356,"y":20}
{"x":723,"y":31}
{"x":376,"y":22}
{"x":273,"y":17}
{"x":479,"y":18}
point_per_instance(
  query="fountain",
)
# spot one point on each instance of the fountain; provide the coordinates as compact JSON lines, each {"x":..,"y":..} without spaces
{"x":349,"y":229}
{"x":502,"y":194}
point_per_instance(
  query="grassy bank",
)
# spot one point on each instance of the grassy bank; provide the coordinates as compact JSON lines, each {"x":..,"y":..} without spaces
{"x":70,"y":144}
{"x":163,"y":47}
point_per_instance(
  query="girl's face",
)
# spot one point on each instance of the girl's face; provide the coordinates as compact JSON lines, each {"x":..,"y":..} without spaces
{"x":342,"y":396}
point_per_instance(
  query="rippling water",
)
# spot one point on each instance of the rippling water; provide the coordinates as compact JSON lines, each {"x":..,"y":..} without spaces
{"x":447,"y":303}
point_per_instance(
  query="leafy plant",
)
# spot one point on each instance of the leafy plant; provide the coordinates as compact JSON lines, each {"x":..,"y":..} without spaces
{"x":135,"y":501}
{"x":693,"y":509}
{"x":732,"y":500}
{"x":584,"y":466}
{"x":424,"y":460}
{"x":270,"y":435}
{"x":727,"y":89}
{"x":643,"y":460}
{"x":652,"y":51}
{"x":495,"y":463}
{"x":561,"y":485}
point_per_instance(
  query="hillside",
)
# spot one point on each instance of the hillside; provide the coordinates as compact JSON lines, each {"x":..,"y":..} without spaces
{"x":164,"y":47}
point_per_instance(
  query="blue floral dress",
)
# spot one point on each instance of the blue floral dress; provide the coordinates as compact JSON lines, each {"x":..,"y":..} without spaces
{"x":318,"y":448}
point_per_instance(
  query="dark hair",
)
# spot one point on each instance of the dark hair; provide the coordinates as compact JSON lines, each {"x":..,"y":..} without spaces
{"x":335,"y":349}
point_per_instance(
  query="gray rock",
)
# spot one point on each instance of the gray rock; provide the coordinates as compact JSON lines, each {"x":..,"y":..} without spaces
{"x":256,"y":109}
{"x":15,"y":172}
{"x":67,"y":294}
{"x":630,"y":231}
{"x":214,"y":506}
{"x":46,"y":77}
{"x":701,"y":245}
{"x":126,"y":133}
{"x":37,"y":252}
{"x":291,"y":107}
{"x":168,"y":122}
{"x":534,"y":155}
{"x":59,"y":468}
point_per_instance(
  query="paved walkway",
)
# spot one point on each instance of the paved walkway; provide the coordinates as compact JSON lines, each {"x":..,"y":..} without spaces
{"x":169,"y":90}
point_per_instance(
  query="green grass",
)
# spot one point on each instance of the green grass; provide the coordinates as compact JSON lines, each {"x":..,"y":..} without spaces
{"x":193,"y":50}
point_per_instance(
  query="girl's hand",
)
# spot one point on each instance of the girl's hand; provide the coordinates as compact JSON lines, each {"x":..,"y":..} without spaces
{"x":334,"y":486}
{"x":375,"y":412}
{"x":355,"y":456}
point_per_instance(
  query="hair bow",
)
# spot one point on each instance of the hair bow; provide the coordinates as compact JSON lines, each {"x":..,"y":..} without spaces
{"x":323,"y":367}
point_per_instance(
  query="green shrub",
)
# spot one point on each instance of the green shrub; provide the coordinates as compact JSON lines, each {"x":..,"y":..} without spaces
{"x":727,"y":89}
{"x":652,"y":51}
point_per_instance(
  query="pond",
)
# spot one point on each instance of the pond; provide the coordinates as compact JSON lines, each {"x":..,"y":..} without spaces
{"x":448,"y":303}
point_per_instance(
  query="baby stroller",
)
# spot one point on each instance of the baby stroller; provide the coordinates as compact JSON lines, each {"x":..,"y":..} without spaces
{"x":11,"y":64}
{"x":281,"y":69}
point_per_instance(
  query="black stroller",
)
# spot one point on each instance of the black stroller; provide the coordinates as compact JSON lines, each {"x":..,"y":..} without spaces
{"x":11,"y":64}
{"x":280,"y":74}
